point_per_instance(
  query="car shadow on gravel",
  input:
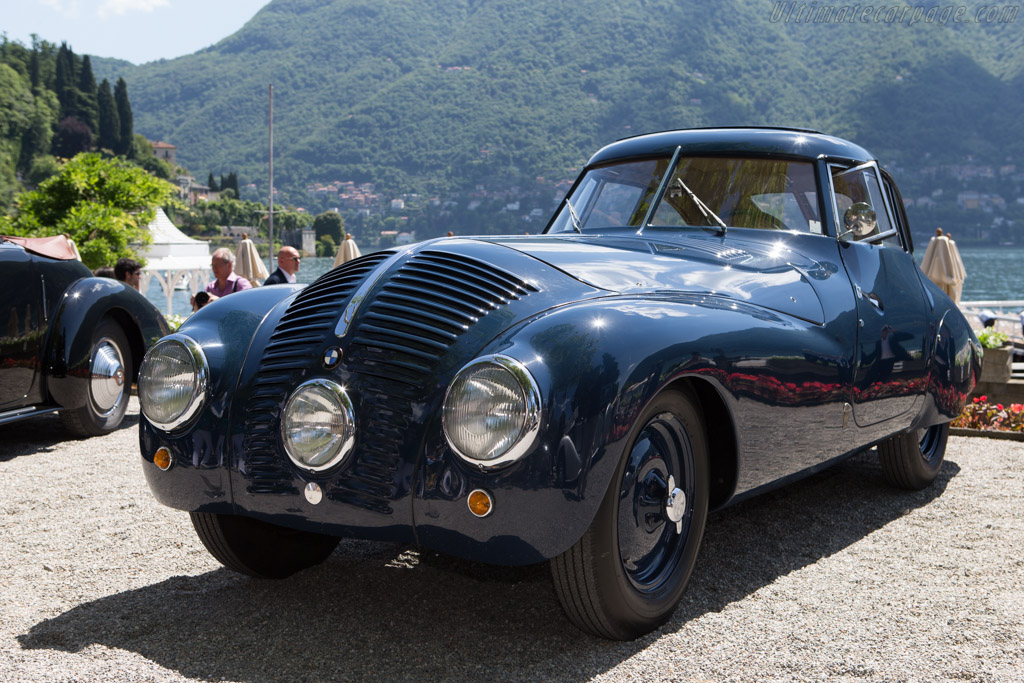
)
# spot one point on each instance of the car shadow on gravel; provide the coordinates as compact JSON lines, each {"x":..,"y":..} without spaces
{"x":385,"y":612}
{"x":42,"y":434}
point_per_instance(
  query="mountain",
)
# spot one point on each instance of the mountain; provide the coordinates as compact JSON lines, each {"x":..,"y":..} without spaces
{"x":437,"y":95}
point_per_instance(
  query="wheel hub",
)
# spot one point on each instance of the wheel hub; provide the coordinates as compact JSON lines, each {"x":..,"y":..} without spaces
{"x":106,"y":377}
{"x":675,"y":504}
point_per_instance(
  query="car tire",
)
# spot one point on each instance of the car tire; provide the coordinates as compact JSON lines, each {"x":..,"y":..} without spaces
{"x":109,"y":383}
{"x":260,"y":549}
{"x":913,"y":459}
{"x":626,"y":575}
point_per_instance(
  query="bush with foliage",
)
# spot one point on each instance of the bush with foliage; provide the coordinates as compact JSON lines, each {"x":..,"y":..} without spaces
{"x":980,"y":414}
{"x":102,"y":204}
{"x":990,"y":339}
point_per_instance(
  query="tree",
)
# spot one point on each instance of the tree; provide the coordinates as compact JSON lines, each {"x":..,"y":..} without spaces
{"x":325,"y":246}
{"x":87,"y":108}
{"x":124,"y":118}
{"x":329,"y":223}
{"x":72,"y":137}
{"x":65,"y":79}
{"x":110,"y":127}
{"x":211,"y":182}
{"x":102,"y":204}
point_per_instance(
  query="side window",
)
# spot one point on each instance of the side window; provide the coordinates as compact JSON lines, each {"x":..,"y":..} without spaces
{"x":860,"y":204}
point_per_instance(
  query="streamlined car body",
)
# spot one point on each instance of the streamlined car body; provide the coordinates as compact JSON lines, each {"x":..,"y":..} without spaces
{"x":709,"y":313}
{"x":70,"y":342}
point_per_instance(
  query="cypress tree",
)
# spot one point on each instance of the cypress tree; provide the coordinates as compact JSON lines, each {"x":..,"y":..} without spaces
{"x":64,"y":79}
{"x":211,"y":182}
{"x":88,"y":108}
{"x":124,"y":117}
{"x":110,"y":127}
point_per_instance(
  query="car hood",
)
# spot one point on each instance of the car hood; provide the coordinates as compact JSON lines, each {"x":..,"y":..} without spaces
{"x":771,"y":275}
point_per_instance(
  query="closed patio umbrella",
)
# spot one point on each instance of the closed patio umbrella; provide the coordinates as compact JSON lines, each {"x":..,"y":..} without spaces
{"x":248,"y":263}
{"x":347,"y":251}
{"x":943,"y":266}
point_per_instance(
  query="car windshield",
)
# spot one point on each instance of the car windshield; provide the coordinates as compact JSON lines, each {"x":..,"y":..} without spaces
{"x":703,"y":192}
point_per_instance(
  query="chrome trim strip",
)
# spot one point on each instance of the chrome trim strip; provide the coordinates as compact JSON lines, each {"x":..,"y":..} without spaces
{"x":345,"y":322}
{"x":531,"y":425}
{"x":30,"y":411}
{"x":202,"y":370}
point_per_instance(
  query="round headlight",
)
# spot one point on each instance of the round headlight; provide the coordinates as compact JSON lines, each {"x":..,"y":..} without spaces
{"x":172,"y":381}
{"x":318,"y":427}
{"x":492,"y":411}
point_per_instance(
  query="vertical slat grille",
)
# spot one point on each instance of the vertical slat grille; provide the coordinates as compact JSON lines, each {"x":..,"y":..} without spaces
{"x":400,"y":339}
{"x":298,"y":335}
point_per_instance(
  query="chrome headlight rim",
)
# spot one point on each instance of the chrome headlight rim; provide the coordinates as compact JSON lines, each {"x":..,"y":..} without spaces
{"x":531,"y":424}
{"x":201,"y":369}
{"x":348,"y":440}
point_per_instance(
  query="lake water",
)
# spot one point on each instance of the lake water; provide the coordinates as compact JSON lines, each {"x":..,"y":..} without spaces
{"x":992,"y":273}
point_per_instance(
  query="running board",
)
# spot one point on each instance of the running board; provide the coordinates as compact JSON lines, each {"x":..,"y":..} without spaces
{"x":22,"y":413}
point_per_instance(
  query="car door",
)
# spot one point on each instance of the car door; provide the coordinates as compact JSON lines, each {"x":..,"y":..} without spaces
{"x":22,"y":331}
{"x":892,"y":321}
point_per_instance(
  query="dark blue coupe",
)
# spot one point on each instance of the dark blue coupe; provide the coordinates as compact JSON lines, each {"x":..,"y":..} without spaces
{"x":709,"y":313}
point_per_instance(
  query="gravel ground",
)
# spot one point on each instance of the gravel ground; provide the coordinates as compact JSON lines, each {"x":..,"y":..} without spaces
{"x":837,"y":577}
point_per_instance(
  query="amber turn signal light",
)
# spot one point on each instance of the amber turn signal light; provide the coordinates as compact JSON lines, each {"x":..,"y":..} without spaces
{"x":480,"y":503}
{"x":162,"y":458}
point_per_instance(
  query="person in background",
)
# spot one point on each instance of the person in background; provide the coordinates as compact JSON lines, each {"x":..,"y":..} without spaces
{"x":225,"y":281}
{"x":201,"y":299}
{"x":104,"y":271}
{"x":128,"y":271}
{"x":288,"y":261}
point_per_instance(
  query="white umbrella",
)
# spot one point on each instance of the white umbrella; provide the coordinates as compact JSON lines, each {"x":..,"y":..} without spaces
{"x":248,"y":263}
{"x":346,"y":252}
{"x":943,"y":266}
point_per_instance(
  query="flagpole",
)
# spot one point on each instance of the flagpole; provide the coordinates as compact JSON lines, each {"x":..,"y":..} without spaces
{"x":270,"y":215}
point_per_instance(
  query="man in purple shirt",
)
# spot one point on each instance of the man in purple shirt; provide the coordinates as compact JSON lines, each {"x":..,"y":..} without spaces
{"x":225,"y":282}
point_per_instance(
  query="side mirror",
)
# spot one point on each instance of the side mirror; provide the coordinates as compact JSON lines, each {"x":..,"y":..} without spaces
{"x":859,"y":221}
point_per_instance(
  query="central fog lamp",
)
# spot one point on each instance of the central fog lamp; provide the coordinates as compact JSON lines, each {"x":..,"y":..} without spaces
{"x":318,"y":426}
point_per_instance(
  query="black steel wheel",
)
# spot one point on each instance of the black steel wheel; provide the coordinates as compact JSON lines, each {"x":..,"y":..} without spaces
{"x":913,"y":459}
{"x":626,"y":575}
{"x":109,"y":383}
{"x":257,"y":548}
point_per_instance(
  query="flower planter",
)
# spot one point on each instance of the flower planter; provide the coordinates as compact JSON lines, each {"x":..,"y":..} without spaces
{"x":997,"y":364}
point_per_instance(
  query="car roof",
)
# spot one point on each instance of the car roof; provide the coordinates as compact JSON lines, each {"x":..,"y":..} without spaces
{"x":749,"y":141}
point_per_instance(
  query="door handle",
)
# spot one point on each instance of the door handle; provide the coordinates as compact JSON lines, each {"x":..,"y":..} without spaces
{"x":870,"y":297}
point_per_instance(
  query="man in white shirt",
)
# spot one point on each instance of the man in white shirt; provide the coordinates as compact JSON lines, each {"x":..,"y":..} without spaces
{"x":288,"y":261}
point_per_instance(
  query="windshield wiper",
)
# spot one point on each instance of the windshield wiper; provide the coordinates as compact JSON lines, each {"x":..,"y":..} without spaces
{"x":576,"y":224}
{"x":708,"y":213}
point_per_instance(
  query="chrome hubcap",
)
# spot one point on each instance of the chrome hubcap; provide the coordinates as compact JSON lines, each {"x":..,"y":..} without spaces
{"x":675,"y":504}
{"x":106,"y":377}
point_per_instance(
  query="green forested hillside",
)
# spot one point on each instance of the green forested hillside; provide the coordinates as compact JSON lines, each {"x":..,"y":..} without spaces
{"x":437,"y":95}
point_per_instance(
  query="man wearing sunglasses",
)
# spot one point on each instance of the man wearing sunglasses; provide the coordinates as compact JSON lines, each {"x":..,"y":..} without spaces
{"x":288,"y":260}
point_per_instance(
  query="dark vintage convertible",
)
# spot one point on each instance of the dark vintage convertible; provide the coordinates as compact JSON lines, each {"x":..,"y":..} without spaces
{"x":70,"y":342}
{"x":708,"y":314}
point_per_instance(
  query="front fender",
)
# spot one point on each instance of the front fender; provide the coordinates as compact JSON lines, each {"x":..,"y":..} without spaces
{"x":226,"y":330}
{"x":81,"y":308}
{"x":597,"y":364}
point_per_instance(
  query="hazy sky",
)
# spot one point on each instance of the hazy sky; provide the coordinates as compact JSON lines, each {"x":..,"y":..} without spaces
{"x":137,"y":30}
